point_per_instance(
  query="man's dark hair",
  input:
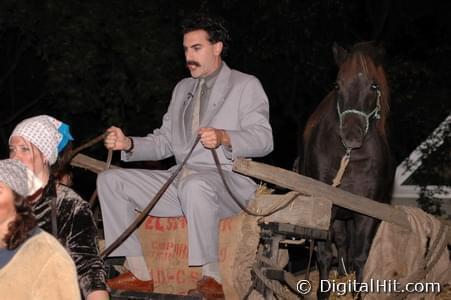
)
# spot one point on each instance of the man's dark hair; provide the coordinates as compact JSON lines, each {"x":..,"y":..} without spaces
{"x":214,"y":26}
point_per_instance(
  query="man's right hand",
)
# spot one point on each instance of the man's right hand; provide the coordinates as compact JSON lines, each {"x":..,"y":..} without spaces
{"x":116,"y":139}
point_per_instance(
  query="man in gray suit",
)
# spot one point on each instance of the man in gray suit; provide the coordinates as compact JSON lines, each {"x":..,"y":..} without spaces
{"x":229,"y":111}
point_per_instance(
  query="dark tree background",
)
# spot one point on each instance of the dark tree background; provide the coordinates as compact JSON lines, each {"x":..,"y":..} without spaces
{"x":99,"y":63}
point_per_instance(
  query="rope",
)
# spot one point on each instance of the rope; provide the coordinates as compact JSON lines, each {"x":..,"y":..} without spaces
{"x":235,"y":199}
{"x":343,"y":164}
{"x":310,"y":256}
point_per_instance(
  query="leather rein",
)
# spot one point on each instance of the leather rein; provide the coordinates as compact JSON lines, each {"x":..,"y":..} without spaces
{"x":142,"y":216}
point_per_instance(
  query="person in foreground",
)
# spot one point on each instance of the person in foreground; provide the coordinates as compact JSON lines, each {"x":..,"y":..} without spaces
{"x":41,"y":144}
{"x":33,"y":264}
{"x":229,"y":110}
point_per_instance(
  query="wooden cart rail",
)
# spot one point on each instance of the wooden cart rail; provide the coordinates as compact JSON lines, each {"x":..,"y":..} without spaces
{"x":319,"y":190}
{"x":299,"y":183}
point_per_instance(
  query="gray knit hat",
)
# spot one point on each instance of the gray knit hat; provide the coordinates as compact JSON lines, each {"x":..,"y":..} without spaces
{"x":45,"y":132}
{"x":14,"y":174}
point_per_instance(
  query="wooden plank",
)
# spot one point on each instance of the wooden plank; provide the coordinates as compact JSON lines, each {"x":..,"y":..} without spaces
{"x":89,"y":163}
{"x":320,"y":190}
{"x":295,"y":182}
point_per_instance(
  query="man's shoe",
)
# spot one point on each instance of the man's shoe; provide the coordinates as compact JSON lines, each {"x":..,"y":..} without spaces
{"x":208,"y":288}
{"x":128,"y":282}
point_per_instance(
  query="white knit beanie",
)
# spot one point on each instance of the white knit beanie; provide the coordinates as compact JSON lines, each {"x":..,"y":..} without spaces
{"x":45,"y":133}
{"x":14,"y":174}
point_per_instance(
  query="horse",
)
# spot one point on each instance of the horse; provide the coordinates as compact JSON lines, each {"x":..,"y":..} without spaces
{"x":350,"y":124}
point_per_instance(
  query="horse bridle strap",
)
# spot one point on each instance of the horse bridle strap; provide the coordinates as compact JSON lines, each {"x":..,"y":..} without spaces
{"x":375,"y":112}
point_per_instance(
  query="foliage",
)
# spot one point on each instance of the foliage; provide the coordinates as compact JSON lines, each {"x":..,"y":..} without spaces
{"x":103,"y":59}
{"x":429,"y":203}
{"x":434,"y":175}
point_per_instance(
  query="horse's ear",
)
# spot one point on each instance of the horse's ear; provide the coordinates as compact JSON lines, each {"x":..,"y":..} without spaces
{"x":340,"y":54}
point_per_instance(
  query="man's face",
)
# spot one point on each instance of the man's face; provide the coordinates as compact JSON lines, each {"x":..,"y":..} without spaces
{"x":202,"y":57}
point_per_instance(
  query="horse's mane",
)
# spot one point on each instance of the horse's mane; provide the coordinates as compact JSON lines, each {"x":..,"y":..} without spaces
{"x":372,"y":56}
{"x":318,"y":114}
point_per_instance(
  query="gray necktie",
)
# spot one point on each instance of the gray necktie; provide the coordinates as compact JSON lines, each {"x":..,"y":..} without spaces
{"x":196,"y":106}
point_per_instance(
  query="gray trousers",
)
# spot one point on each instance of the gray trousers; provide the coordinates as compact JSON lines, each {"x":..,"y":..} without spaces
{"x":201,"y":197}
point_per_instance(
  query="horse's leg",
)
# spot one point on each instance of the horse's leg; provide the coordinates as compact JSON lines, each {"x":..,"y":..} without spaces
{"x":340,"y":239}
{"x":324,"y":262}
{"x":365,"y":229}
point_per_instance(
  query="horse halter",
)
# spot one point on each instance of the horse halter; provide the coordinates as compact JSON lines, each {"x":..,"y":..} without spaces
{"x":374,"y":113}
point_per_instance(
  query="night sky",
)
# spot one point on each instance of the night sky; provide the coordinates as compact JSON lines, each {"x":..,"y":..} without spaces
{"x":115,"y":62}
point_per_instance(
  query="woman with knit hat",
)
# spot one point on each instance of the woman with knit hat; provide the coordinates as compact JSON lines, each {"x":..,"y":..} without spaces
{"x":39,"y":143}
{"x":33,"y":264}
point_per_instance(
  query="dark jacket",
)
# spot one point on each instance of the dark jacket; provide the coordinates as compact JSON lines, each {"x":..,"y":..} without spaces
{"x":76,"y":231}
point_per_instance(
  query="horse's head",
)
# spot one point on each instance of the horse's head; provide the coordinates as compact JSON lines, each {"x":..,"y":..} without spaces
{"x":361,"y":92}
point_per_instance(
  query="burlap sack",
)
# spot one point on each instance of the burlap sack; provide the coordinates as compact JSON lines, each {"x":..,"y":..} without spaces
{"x":164,"y":242}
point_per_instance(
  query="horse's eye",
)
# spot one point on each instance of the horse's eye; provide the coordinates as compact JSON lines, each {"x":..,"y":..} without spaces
{"x":374,"y":87}
{"x":336,"y":86}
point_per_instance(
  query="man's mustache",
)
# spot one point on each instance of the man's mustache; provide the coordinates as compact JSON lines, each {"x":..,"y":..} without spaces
{"x":193,"y":63}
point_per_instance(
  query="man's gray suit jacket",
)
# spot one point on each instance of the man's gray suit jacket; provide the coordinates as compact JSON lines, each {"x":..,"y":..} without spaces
{"x":237,"y":104}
